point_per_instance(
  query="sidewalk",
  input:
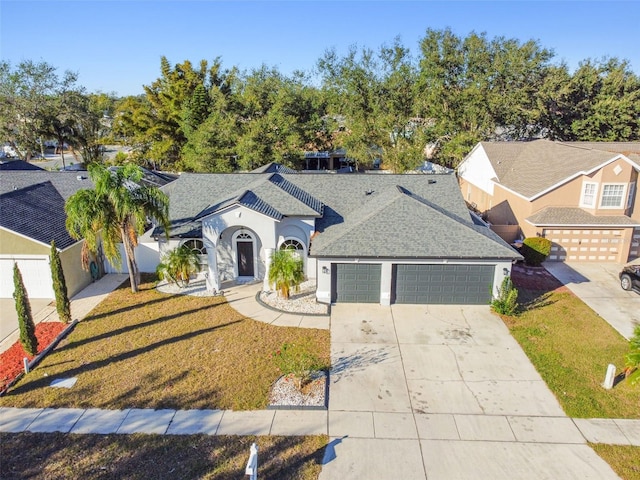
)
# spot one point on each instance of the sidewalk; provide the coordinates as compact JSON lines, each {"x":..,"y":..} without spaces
{"x":336,"y":424}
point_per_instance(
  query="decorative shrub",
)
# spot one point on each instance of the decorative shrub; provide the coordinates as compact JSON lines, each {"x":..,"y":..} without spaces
{"x":286,"y":271}
{"x":296,"y":359}
{"x":535,"y":250}
{"x":506,"y":303}
{"x":633,"y":357}
{"x":178,"y":265}
{"x":63,"y":306}
{"x":28,"y":337}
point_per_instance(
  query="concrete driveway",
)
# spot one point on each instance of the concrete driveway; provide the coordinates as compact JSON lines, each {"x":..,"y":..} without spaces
{"x":443,"y":392}
{"x":9,"y":318}
{"x":597,"y":285}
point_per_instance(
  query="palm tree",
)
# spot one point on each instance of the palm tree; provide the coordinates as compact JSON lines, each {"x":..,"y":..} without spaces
{"x":116,"y":211}
{"x":633,"y":357}
{"x":286,"y":271}
{"x":178,"y":265}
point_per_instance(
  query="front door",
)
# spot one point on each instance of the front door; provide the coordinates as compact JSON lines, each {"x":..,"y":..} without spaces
{"x":245,"y":259}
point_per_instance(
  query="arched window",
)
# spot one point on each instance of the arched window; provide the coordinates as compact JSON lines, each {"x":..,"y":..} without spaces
{"x":292,"y":244}
{"x":197,"y":245}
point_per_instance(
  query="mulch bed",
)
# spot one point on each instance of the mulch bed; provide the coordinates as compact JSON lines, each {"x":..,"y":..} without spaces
{"x":535,"y":278}
{"x":11,"y":360}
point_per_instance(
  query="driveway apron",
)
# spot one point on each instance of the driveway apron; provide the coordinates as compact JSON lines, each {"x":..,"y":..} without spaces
{"x":443,"y":392}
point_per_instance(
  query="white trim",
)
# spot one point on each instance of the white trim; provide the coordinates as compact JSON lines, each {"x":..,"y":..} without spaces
{"x":623,"y":196}
{"x":590,"y":226}
{"x":234,"y":246}
{"x":594,"y":194}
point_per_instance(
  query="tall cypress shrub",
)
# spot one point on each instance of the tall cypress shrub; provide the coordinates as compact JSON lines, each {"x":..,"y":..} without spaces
{"x":59,"y":285}
{"x":25,"y":320}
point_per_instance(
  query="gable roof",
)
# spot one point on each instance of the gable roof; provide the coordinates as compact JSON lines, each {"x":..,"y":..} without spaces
{"x":32,"y":204}
{"x":532,"y":168}
{"x":360,"y":215}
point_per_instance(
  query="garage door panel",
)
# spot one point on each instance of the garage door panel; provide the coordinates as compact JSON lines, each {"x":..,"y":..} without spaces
{"x":443,"y":284}
{"x":36,"y":277}
{"x":357,"y":283}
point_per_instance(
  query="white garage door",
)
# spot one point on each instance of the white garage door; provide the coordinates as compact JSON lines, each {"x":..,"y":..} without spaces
{"x":36,"y":276}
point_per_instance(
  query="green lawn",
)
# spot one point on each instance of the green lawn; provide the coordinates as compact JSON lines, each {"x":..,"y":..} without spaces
{"x":153,"y":350}
{"x":571,"y":346}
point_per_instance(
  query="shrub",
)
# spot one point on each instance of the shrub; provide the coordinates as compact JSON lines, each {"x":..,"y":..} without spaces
{"x":286,"y":271}
{"x":506,"y":303}
{"x":633,"y":357}
{"x":296,"y":359}
{"x":63,"y":306}
{"x":535,"y":250}
{"x":28,"y":337}
{"x":178,"y":265}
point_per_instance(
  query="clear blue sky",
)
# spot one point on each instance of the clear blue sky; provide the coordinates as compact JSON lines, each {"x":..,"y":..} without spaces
{"x":116,"y":45}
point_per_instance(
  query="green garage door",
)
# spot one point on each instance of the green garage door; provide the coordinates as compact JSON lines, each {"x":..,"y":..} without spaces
{"x":357,"y":283}
{"x":444,"y":284}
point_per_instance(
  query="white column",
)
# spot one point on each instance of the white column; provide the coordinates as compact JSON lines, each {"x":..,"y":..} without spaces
{"x":213,"y":278}
{"x":386,"y":278}
{"x":267,"y":265}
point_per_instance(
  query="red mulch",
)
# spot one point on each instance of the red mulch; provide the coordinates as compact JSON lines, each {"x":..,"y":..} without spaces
{"x":11,"y":360}
{"x":535,"y":278}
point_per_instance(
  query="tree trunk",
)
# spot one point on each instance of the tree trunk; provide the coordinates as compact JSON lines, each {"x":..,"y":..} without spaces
{"x":132,"y":266}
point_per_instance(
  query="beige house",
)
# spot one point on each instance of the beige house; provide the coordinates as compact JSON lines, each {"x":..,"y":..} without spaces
{"x":582,"y":196}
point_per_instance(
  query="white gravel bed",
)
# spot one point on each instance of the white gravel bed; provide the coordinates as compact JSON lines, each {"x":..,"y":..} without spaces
{"x":284,"y":392}
{"x":197,"y":288}
{"x":303,"y":301}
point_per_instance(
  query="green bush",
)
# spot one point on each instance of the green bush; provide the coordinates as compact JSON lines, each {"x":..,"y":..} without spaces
{"x":535,"y":250}
{"x":297,"y":359}
{"x":506,"y":303}
{"x":633,"y":357}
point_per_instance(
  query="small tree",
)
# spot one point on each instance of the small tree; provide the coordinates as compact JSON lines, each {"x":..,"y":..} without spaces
{"x":633,"y":357}
{"x":178,"y":265}
{"x":506,"y":303}
{"x":25,"y":320}
{"x":536,"y":250}
{"x":59,"y":285}
{"x":286,"y":271}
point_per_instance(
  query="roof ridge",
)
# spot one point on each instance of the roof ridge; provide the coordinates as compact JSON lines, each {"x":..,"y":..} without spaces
{"x":298,"y":193}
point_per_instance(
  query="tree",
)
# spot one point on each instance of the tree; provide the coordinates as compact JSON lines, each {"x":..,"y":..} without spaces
{"x":23,"y":308}
{"x":63,"y":306}
{"x":178,"y":265}
{"x":286,"y":271}
{"x":116,"y":211}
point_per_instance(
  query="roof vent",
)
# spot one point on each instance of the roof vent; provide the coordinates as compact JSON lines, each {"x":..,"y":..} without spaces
{"x":81,"y":177}
{"x":368,"y":192}
{"x":431,"y":181}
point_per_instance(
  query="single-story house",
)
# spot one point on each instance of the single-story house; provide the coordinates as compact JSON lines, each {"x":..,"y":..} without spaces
{"x":583,"y":196}
{"x":364,"y":237}
{"x":31,"y":216}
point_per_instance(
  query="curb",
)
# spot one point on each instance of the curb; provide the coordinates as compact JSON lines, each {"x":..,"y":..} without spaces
{"x":35,"y":360}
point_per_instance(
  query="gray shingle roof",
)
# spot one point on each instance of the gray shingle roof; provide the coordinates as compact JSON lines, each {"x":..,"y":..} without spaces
{"x":362,"y":215}
{"x":32,"y":203}
{"x":18,"y":165}
{"x":273,"y":167}
{"x":577,"y":216}
{"x":530,"y":168}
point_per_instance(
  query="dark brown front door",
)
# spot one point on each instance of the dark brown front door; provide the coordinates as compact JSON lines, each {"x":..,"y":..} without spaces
{"x":245,"y":259}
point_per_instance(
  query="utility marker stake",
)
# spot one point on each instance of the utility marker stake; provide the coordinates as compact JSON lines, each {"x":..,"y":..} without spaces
{"x":25,"y":362}
{"x":610,"y":377}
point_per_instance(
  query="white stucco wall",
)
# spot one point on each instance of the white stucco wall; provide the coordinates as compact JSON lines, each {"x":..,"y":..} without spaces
{"x":477,"y":170}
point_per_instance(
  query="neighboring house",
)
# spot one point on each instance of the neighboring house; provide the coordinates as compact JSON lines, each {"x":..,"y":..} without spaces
{"x":364,"y":238}
{"x":17,"y":165}
{"x":31,"y":215}
{"x":582,"y":196}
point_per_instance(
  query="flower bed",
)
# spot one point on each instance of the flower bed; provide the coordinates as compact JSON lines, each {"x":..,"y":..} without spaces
{"x":11,"y":360}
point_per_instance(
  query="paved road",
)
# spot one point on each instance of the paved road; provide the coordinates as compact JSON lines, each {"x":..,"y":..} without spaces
{"x":597,"y":285}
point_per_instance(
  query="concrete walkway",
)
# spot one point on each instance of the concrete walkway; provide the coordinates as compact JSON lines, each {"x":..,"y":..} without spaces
{"x":416,"y":391}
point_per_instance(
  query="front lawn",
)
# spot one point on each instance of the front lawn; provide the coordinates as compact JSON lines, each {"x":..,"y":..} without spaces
{"x":571,"y":346}
{"x":154,"y":350}
{"x":158,"y":457}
